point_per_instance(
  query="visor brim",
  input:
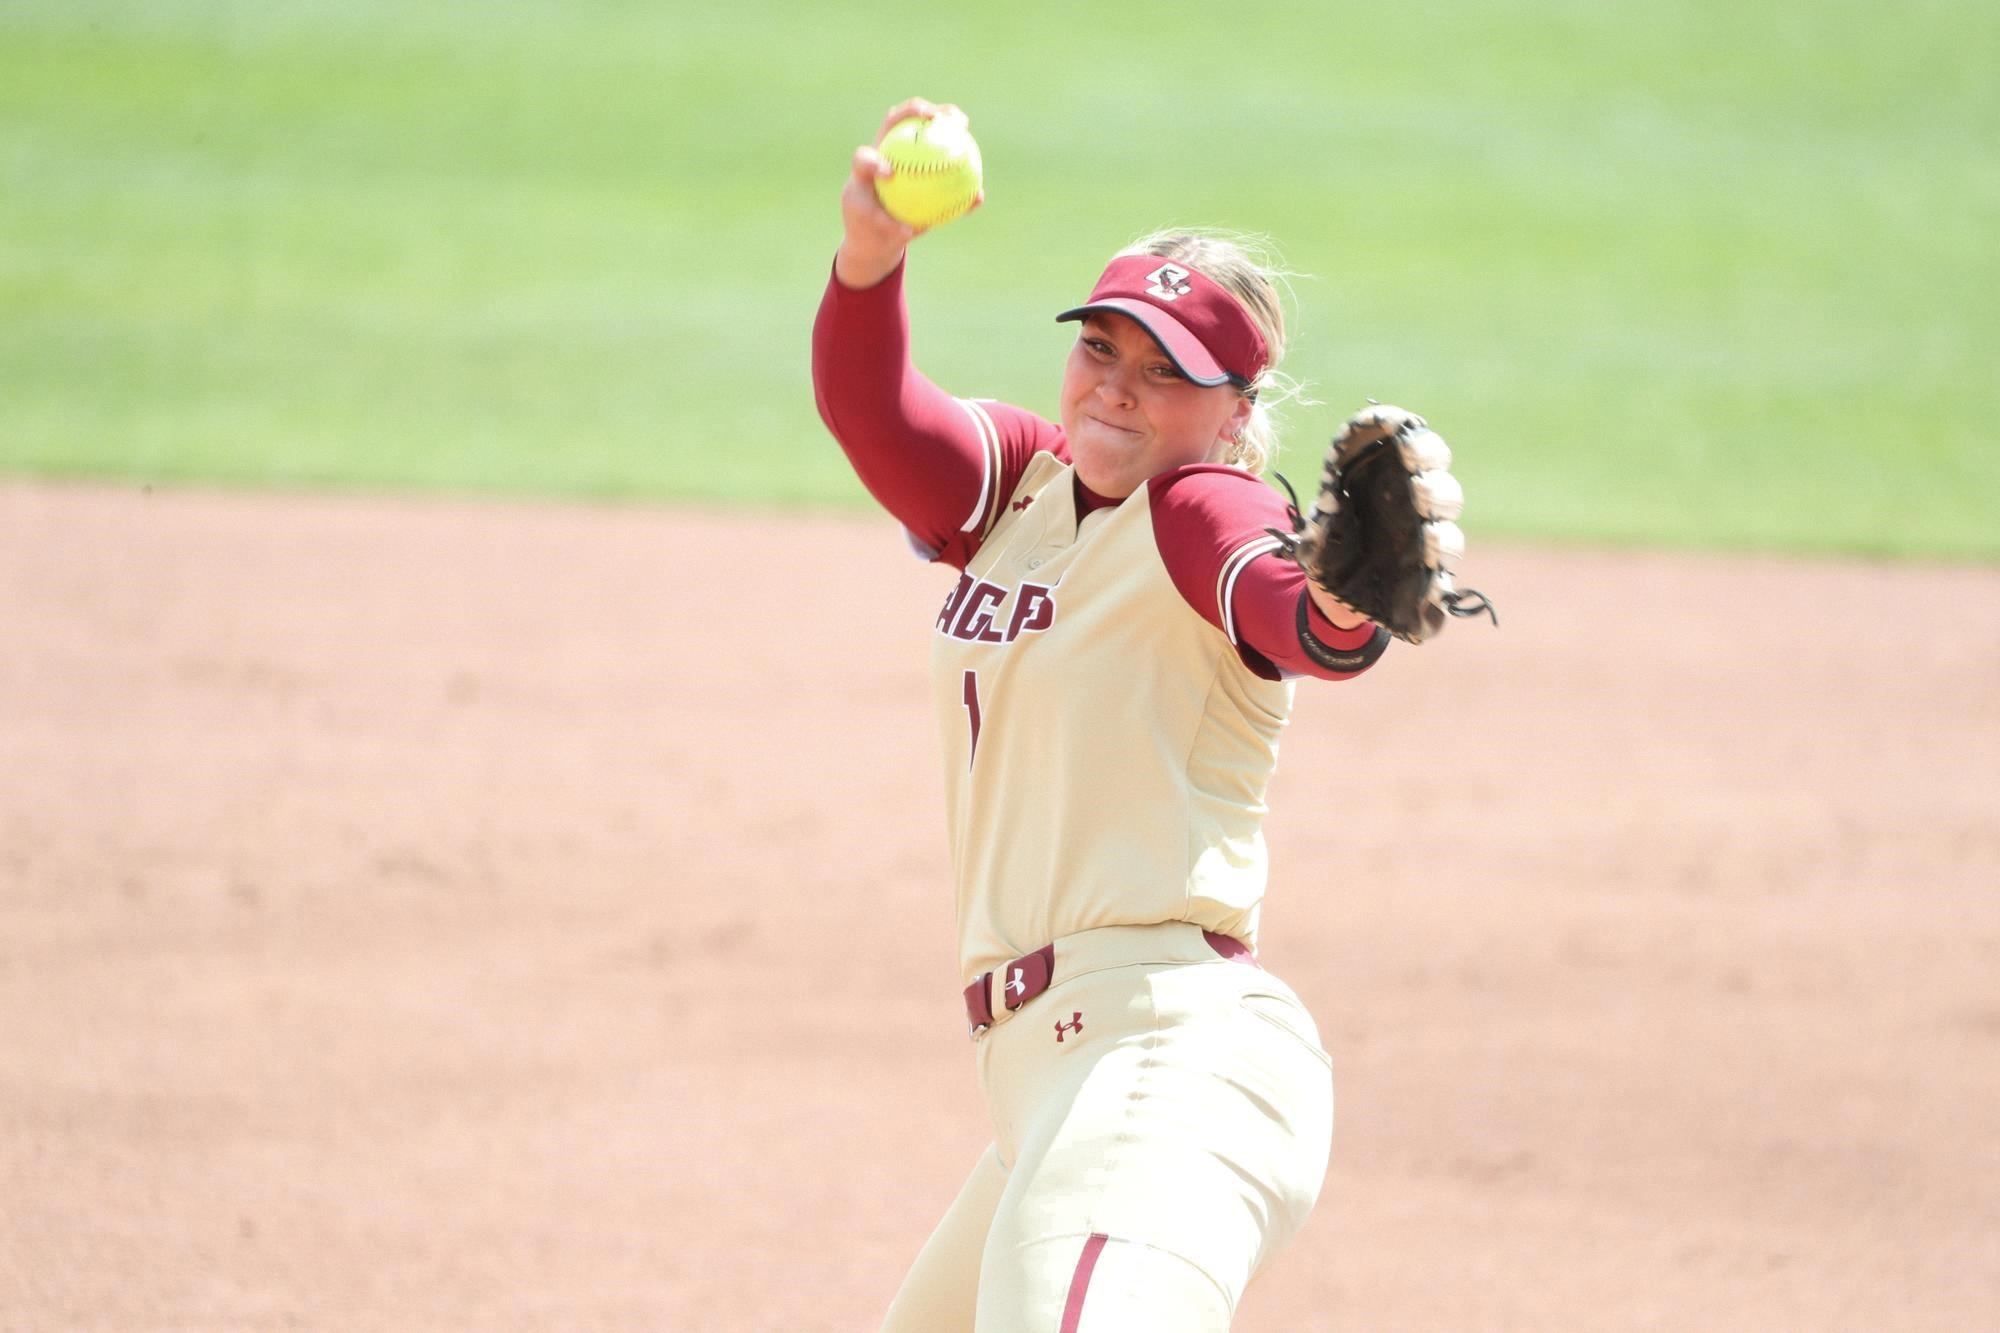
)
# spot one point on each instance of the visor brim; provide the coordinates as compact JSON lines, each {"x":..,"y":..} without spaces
{"x":1175,"y":339}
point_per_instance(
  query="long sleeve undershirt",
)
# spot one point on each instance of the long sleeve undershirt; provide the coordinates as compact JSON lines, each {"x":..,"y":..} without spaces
{"x":943,"y":466}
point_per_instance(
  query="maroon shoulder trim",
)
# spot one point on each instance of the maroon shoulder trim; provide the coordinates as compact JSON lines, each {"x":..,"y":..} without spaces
{"x":986,"y":510}
{"x":1079,"y":1286}
{"x":1209,"y":523}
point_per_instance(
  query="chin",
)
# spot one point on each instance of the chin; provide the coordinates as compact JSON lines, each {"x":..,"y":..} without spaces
{"x":1100,"y":465}
{"x":1110,"y":483}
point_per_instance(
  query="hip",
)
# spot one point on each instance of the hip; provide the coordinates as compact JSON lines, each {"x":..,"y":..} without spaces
{"x":1163,"y":1015}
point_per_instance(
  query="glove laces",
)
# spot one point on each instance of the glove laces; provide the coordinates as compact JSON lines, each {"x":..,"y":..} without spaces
{"x":1289,"y":541}
{"x":1465,"y":602}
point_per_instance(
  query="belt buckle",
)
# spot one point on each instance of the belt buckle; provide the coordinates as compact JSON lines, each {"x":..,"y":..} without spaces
{"x":1021,"y":981}
{"x":1028,"y":976}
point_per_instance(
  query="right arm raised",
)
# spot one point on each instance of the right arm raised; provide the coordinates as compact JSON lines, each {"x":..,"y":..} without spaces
{"x":872,"y":243}
{"x":933,"y":461}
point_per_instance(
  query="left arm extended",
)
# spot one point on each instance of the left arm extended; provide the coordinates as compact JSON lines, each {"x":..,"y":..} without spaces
{"x":1212,"y":525}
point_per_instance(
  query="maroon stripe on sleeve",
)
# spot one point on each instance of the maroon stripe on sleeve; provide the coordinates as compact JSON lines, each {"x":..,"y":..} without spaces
{"x":1211,"y":524}
{"x":1011,"y":439}
{"x":1079,"y":1286}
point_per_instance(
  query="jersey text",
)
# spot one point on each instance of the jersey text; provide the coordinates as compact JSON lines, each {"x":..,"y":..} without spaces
{"x":973,"y":612}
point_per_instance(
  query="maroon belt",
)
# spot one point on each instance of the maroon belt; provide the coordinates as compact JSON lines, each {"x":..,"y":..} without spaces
{"x":1027,"y":977}
{"x":1030,"y":974}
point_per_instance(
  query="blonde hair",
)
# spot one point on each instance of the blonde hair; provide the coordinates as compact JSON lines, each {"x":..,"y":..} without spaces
{"x":1247,"y":266}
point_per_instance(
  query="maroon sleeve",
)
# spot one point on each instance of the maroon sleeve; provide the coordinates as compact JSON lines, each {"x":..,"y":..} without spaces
{"x":941,"y":465}
{"x":1210,"y":524}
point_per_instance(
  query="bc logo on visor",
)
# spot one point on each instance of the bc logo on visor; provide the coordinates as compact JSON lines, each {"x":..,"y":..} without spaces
{"x":1169,"y":282}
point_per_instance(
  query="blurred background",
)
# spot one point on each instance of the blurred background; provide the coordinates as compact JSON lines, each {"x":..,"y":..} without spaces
{"x":1699,"y":272}
{"x":421,"y":908}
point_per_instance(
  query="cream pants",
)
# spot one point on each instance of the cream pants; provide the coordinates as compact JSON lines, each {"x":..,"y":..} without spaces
{"x":1161,"y":1119}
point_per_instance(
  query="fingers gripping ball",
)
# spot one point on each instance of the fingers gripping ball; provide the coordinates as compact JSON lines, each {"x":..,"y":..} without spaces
{"x":937,"y":170}
{"x":1383,"y":535}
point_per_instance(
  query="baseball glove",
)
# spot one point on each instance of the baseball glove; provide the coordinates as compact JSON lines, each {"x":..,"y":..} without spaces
{"x":1381,"y":535}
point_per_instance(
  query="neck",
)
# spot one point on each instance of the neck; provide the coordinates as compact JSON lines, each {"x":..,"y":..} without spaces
{"x":1088,"y":500}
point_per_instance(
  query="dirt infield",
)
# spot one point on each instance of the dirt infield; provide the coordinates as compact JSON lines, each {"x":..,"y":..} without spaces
{"x":438,"y":915}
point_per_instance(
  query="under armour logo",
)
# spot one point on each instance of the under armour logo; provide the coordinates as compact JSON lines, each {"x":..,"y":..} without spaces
{"x":1023,"y":503}
{"x":1169,"y":282}
{"x":1017,"y":984}
{"x":1075,"y":1025}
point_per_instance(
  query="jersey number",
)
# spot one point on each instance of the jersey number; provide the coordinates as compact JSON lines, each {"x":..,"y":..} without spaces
{"x":972,"y":714}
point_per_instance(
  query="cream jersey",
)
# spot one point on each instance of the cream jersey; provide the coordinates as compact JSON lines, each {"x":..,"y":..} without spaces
{"x":1111,"y":676}
{"x":1106,"y":748}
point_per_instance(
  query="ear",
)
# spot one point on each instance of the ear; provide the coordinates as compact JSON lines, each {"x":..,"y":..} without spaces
{"x":1239,"y":417}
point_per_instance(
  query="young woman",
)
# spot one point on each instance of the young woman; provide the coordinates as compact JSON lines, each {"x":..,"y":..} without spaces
{"x":1113,"y":666}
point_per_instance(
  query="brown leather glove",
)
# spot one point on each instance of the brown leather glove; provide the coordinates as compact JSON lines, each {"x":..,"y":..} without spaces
{"x":1382,"y":535}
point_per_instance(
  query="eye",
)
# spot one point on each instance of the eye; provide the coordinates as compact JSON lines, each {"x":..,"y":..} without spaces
{"x":1097,"y":346}
{"x":1165,"y":370}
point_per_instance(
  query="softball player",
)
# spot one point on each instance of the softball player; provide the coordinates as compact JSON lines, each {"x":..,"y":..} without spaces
{"x":1112,"y":668}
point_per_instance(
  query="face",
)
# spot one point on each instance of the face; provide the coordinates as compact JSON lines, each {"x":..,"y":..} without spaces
{"x":1130,"y":415}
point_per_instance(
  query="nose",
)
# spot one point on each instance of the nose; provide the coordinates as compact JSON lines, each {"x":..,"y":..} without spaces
{"x":1115,"y":385}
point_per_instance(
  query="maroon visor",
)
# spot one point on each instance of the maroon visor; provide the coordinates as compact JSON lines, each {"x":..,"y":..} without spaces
{"x":1204,"y":330}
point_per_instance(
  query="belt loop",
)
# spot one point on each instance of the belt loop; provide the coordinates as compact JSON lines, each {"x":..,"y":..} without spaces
{"x":979,"y":1002}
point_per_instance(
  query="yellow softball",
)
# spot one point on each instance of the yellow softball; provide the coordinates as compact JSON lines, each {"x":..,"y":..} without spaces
{"x":936,"y":169}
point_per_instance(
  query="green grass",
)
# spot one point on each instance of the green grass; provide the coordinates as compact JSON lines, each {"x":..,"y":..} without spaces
{"x":1692,"y":273}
